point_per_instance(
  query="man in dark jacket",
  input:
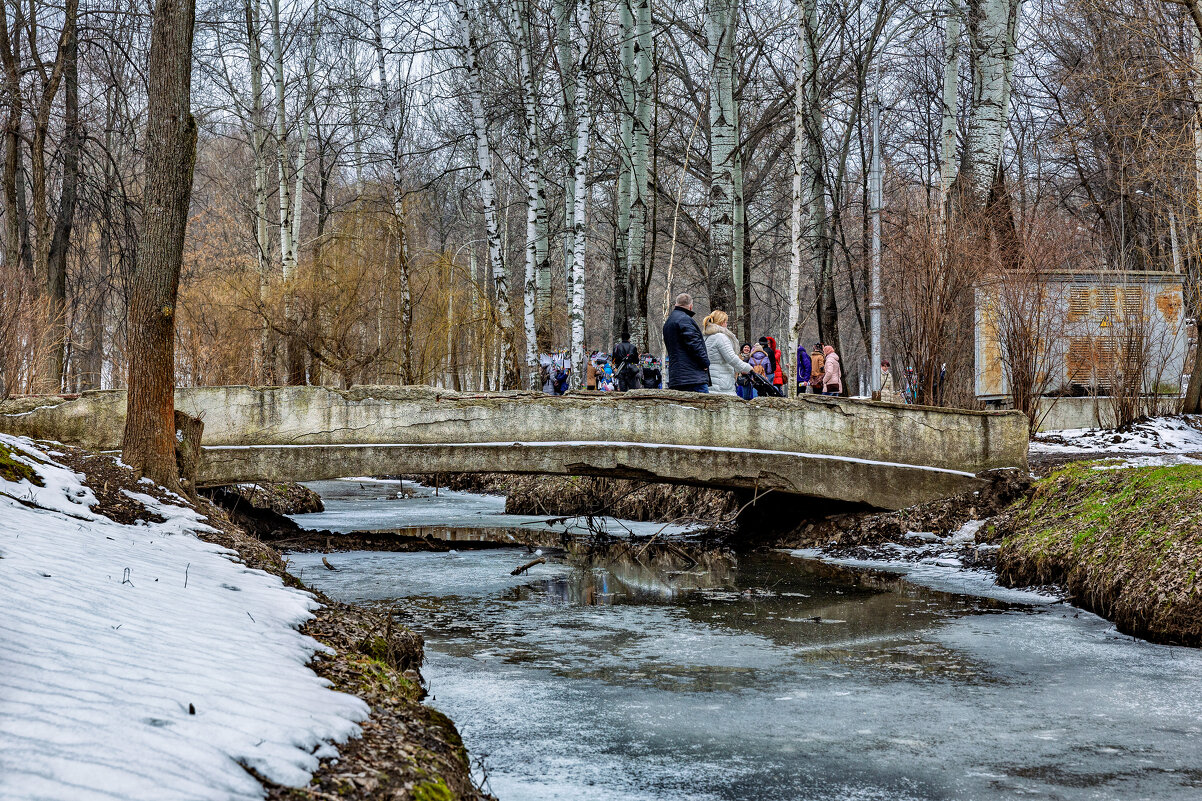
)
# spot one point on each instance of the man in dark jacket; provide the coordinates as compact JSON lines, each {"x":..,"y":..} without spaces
{"x":652,"y":378}
{"x":626,"y":363}
{"x":688,"y":359}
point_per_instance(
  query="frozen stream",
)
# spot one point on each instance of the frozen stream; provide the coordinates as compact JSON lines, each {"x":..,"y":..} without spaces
{"x":781,"y":678}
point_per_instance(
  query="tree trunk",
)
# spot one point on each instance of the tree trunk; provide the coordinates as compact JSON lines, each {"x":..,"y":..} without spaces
{"x":509,"y":376}
{"x":991,"y":27}
{"x":951,"y":89}
{"x":265,"y":372}
{"x":580,"y":207}
{"x":640,"y":185}
{"x":801,"y":86}
{"x":567,"y":80}
{"x":60,"y":240}
{"x":11,"y":55}
{"x":719,"y":27}
{"x":148,"y":445}
{"x":626,"y":111}
{"x":536,"y":207}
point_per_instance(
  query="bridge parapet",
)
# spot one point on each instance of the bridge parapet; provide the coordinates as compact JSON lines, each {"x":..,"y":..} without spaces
{"x":416,"y":420}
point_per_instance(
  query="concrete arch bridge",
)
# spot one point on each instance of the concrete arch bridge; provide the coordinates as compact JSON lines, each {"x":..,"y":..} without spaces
{"x":876,"y":454}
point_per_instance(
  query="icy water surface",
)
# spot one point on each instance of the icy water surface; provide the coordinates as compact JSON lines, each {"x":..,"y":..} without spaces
{"x":776,"y":678}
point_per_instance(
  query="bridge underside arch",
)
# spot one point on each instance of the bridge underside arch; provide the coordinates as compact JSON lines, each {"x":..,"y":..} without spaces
{"x":883,"y":485}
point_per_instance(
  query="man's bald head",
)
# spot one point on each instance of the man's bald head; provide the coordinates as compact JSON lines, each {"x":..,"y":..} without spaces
{"x":685,"y":301}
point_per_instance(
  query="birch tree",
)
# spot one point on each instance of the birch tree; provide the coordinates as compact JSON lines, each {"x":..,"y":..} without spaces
{"x":991,"y":29}
{"x":641,"y":189}
{"x":583,"y":113}
{"x":488,"y":192}
{"x":804,"y":72}
{"x":720,"y":29}
{"x":393,"y":107}
{"x":950,"y":101}
{"x":537,"y":262}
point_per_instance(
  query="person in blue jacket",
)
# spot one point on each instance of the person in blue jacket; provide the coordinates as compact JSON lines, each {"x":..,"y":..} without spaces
{"x":803,"y":369}
{"x":688,"y":359}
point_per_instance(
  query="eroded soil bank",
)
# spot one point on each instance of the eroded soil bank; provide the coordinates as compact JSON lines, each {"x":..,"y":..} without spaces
{"x":407,"y":750}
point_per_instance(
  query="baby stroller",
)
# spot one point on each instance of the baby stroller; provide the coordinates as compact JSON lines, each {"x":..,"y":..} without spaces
{"x":763,"y":386}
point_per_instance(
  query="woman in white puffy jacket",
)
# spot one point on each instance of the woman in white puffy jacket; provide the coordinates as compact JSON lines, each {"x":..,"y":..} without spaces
{"x":723,"y":348}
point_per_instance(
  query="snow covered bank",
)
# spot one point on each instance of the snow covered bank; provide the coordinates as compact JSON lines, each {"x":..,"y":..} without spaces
{"x":137,"y":661}
{"x":1159,"y":435}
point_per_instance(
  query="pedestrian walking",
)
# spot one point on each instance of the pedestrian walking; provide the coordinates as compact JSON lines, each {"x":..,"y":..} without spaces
{"x":888,"y":393}
{"x":684,"y":348}
{"x":832,"y":374}
{"x":590,"y":374}
{"x":803,"y":369}
{"x":817,"y":368}
{"x":779,"y":374}
{"x":626,"y":363}
{"x":720,"y":345}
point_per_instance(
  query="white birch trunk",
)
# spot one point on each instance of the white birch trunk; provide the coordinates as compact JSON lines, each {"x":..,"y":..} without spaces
{"x":736,"y":173}
{"x":640,"y":186}
{"x":532,"y":169}
{"x":302,"y":150}
{"x":722,"y":147}
{"x":951,"y":89}
{"x":507,"y":375}
{"x":392,"y":121}
{"x":287,"y":250}
{"x":991,"y":25}
{"x":567,"y":79}
{"x":580,"y":204}
{"x":801,"y":82}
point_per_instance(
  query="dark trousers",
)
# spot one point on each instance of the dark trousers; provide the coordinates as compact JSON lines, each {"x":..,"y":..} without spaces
{"x":703,"y":388}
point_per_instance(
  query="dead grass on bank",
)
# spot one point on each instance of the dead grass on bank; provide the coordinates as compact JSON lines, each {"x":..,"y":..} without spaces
{"x":1126,"y":543}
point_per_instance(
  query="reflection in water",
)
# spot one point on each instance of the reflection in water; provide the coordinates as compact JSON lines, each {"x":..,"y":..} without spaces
{"x":770,"y":677}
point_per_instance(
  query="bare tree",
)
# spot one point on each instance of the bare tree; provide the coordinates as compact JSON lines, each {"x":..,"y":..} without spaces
{"x":148,"y":445}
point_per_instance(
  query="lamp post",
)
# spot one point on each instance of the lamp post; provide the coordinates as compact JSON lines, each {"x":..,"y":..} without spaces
{"x":874,"y":292}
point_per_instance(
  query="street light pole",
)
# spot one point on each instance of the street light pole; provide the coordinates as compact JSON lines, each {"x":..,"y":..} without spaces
{"x":874,"y":293}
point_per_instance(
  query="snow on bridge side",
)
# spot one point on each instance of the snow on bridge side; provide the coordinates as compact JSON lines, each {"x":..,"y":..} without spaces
{"x":138,"y":662}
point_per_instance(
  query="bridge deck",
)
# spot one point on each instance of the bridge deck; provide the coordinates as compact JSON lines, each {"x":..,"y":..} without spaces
{"x":882,"y":455}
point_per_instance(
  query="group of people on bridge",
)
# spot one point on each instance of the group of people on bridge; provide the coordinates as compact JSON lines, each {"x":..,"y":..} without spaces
{"x":709,"y":358}
{"x":620,"y":371}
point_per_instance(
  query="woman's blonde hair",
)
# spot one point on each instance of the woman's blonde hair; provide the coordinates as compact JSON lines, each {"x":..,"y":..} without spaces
{"x":716,"y":317}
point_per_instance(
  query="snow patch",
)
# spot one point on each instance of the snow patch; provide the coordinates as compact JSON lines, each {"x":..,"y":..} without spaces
{"x":142,"y":663}
{"x":1182,"y":434}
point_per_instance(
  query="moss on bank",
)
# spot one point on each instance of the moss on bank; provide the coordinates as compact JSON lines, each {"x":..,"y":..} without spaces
{"x":1126,"y":543}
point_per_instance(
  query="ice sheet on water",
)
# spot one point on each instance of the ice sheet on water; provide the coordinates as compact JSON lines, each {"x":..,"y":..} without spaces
{"x":140,"y":662}
{"x":939,"y":574}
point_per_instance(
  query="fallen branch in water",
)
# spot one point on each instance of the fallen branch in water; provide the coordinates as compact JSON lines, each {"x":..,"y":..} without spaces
{"x":519,"y":571}
{"x":326,"y":562}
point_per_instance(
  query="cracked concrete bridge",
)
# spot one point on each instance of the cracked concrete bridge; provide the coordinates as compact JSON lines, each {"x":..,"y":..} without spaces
{"x":881,"y":455}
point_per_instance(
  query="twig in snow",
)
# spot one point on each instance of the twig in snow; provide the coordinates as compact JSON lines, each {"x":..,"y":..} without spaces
{"x":186,"y":568}
{"x":125,"y":578}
